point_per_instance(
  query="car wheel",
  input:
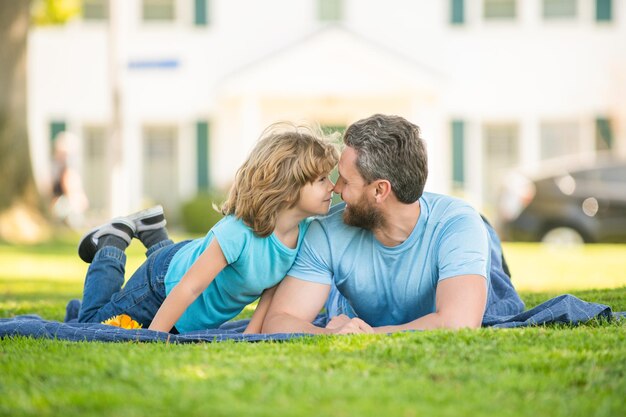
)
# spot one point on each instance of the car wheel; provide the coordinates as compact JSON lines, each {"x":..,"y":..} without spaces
{"x":563,"y":236}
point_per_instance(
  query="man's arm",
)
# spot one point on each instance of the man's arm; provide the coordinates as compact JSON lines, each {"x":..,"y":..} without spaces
{"x":256,"y":322}
{"x":460,"y":302}
{"x":295,"y":305}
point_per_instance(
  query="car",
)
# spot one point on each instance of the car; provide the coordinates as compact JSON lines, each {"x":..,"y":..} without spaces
{"x":566,"y":203}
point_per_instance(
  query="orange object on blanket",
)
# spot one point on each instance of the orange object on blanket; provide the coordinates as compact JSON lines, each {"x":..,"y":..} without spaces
{"x":124,"y":321}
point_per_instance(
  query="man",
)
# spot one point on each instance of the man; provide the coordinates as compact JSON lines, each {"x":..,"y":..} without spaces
{"x":399,"y":258}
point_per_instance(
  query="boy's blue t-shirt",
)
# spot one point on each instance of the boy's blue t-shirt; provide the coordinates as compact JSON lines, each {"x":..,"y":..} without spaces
{"x":254,"y":264}
{"x":395,"y":285}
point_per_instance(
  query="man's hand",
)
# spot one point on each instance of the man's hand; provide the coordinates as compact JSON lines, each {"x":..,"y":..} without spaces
{"x":337,"y":321}
{"x":343,"y":324}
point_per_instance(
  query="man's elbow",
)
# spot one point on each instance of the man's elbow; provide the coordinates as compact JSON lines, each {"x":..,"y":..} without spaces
{"x":270,"y":323}
{"x":461,"y":322}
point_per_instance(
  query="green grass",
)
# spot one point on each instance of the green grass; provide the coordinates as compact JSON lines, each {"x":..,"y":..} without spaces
{"x":552,"y":370}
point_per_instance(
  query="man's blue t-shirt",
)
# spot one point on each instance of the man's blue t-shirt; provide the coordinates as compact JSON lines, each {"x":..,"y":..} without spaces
{"x":254,"y":264}
{"x":395,"y":285}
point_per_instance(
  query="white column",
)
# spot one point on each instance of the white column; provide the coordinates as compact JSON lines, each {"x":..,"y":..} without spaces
{"x":530,"y":141}
{"x":118,"y":188}
{"x":187,"y":159}
{"x":428,"y":115}
{"x":250,"y":114}
{"x":474,"y":161}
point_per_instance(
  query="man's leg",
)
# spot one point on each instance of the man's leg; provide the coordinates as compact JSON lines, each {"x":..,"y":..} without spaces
{"x":503,"y":299}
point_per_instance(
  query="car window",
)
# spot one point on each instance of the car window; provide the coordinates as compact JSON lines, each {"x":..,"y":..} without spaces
{"x":587,"y":175}
{"x":614,"y":174}
{"x":604,"y":174}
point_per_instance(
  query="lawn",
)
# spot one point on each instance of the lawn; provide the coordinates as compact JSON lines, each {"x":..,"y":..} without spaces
{"x":554,"y":370}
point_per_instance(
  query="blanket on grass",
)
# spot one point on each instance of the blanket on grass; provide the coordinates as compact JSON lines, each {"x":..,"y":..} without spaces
{"x":565,"y":309}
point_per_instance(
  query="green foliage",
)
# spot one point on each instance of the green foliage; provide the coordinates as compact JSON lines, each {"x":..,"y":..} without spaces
{"x":199,"y":214}
{"x":54,"y":12}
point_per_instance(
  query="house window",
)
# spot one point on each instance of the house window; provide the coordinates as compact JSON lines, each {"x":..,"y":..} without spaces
{"x":558,"y":9}
{"x":201,"y":12}
{"x":604,"y":10}
{"x":158,"y":10}
{"x":330,"y":10}
{"x":95,"y":10}
{"x":95,"y":140}
{"x":202,"y":155}
{"x":559,"y":139}
{"x":335,"y":132}
{"x":457,"y":12}
{"x":458,"y":154}
{"x":604,"y":134}
{"x":160,"y":166}
{"x":56,"y":127}
{"x":499,"y":9}
{"x":501,"y":154}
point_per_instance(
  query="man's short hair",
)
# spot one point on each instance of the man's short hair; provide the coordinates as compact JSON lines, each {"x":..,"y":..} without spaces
{"x":390,"y":148}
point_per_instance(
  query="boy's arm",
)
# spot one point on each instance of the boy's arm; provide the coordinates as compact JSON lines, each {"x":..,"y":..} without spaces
{"x":194,"y":282}
{"x":256,"y":322}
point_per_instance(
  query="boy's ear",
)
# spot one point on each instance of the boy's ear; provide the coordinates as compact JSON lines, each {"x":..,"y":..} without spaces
{"x":382,"y":190}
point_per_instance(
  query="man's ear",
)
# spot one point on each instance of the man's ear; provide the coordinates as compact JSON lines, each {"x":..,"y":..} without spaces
{"x":382,"y":190}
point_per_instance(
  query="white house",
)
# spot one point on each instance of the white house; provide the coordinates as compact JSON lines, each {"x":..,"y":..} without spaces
{"x":166,"y":97}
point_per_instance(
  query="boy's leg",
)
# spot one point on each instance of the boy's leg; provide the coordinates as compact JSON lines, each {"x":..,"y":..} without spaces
{"x":103,"y":296}
{"x":105,"y":277}
{"x":117,"y":233}
{"x":144,"y":292}
{"x":150,"y":228}
{"x":104,"y":248}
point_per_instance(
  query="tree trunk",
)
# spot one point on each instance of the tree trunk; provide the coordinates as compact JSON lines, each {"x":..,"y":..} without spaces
{"x":21,"y":217}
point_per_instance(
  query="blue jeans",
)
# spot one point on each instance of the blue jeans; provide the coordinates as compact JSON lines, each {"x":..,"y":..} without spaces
{"x":143,"y":294}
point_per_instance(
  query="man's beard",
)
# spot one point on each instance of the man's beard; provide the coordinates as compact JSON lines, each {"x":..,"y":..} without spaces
{"x":363,"y":215}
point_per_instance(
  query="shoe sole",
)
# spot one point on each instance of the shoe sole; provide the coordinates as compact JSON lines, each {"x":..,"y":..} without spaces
{"x":147,"y":213}
{"x":143,"y":219}
{"x":87,"y":248}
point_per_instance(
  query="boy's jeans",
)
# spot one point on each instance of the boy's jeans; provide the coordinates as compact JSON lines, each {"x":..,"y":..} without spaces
{"x":143,"y":294}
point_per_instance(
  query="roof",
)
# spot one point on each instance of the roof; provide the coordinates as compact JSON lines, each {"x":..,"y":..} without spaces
{"x":332,"y":61}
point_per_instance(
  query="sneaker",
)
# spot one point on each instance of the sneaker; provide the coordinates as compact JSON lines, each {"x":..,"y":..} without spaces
{"x":120,"y":227}
{"x":148,"y":219}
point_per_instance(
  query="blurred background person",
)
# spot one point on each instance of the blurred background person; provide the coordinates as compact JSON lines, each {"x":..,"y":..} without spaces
{"x":69,"y":201}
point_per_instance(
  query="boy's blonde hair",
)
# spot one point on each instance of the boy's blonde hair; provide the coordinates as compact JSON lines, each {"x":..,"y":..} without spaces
{"x":286,"y":158}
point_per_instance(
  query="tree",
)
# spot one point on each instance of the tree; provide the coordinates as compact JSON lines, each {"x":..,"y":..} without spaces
{"x":22,"y":212}
{"x":20,"y":204}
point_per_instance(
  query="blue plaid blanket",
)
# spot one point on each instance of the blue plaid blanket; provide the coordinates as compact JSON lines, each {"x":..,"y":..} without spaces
{"x":565,"y":309}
